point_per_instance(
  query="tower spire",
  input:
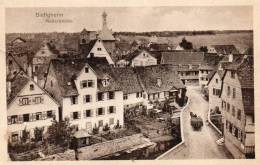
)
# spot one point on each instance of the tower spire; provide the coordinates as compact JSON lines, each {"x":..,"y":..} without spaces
{"x":104,"y":15}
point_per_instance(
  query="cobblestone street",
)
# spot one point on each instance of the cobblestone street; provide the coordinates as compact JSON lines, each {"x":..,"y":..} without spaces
{"x":198,"y":144}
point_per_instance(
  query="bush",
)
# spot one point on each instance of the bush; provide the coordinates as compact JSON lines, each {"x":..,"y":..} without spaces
{"x":38,"y":134}
{"x":117,"y":126}
{"x":106,"y":128}
{"x":95,"y":129}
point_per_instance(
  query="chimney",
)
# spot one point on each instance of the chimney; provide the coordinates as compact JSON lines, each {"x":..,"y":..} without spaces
{"x":29,"y":71}
{"x":35,"y":79}
{"x":230,"y":58}
{"x":9,"y":88}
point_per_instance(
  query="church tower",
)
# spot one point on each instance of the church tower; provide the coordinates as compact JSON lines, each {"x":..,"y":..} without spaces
{"x":106,"y":35}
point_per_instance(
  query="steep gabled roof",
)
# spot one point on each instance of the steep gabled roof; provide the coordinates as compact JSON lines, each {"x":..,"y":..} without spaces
{"x":106,"y":34}
{"x":249,"y":51}
{"x":166,"y":73}
{"x":17,"y":84}
{"x":86,"y":48}
{"x":182,"y":57}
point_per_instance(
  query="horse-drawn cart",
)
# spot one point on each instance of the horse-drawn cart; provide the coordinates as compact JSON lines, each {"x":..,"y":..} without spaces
{"x":196,"y":121}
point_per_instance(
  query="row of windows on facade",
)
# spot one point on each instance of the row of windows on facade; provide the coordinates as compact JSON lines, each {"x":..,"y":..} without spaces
{"x":236,"y":132}
{"x":89,"y":113}
{"x":203,"y":78}
{"x":100,"y":124}
{"x":226,"y":106}
{"x":31,"y":100}
{"x":138,"y":95}
{"x":205,"y":71}
{"x":88,"y":98}
{"x":29,"y":117}
{"x":188,"y":73}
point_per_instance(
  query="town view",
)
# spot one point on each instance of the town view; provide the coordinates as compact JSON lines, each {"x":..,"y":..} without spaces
{"x":97,"y":84}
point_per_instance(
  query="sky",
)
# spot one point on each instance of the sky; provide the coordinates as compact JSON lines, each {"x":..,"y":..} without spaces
{"x":133,"y":19}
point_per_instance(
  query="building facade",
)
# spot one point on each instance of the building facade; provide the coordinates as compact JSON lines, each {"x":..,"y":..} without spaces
{"x":238,"y":109}
{"x":29,"y":107}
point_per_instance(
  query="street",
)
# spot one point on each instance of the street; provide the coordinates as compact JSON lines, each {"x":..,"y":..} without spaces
{"x":199,"y":144}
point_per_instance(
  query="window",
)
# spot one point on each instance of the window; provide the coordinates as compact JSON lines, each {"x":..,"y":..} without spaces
{"x":38,"y":116}
{"x":236,"y":132}
{"x":90,"y":83}
{"x":10,"y":62}
{"x":51,"y":83}
{"x":105,"y":82}
{"x":15,"y":137}
{"x":74,"y":100}
{"x":99,"y":49}
{"x":239,"y":114}
{"x":214,"y":91}
{"x":111,"y":109}
{"x":100,"y":123}
{"x":234,"y":92}
{"x":216,"y":80}
{"x":228,"y":90}
{"x":38,"y":100}
{"x":87,"y":99}
{"x":76,"y":115}
{"x":233,"y":111}
{"x":86,"y":69}
{"x":14,"y":119}
{"x":202,"y":78}
{"x":49,"y":114}
{"x":111,"y":95}
{"x":233,"y":74}
{"x":26,"y":117}
{"x":100,"y":111}
{"x":84,"y":84}
{"x":100,"y":96}
{"x":228,"y":107}
{"x":125,"y":97}
{"x":137,"y":94}
{"x":31,"y":87}
{"x":88,"y":113}
{"x":111,"y":121}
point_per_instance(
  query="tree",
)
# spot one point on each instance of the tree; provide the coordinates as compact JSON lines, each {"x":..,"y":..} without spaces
{"x":59,"y":133}
{"x":25,"y":136}
{"x":203,"y":49}
{"x":186,"y":44}
{"x":38,"y":133}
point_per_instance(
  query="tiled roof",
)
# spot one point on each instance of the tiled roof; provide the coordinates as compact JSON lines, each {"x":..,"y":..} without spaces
{"x":249,"y":51}
{"x":106,"y":34}
{"x":248,"y":100}
{"x":245,"y":72}
{"x":211,"y":75}
{"x":167,"y":74}
{"x":182,"y":57}
{"x":226,"y":49}
{"x":127,"y":80}
{"x":17,"y":84}
{"x":86,"y":48}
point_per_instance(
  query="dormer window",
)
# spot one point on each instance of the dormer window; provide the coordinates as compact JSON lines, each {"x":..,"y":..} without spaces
{"x":159,"y":82}
{"x":105,"y":82}
{"x":31,"y":87}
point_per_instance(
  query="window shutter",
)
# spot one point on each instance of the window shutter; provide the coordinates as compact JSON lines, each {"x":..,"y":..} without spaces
{"x":103,"y":111}
{"x":44,"y":115}
{"x":9,"y":120}
{"x":42,"y":100}
{"x":90,"y":98}
{"x":84,"y":114}
{"x":79,"y":114}
{"x":97,"y":112}
{"x":20,"y":101}
{"x":81,"y":85}
{"x":20,"y":119}
{"x":30,"y":117}
{"x":91,"y":112}
{"x":114,"y":109}
{"x":84,"y":99}
{"x":71,"y":115}
{"x":34,"y":116}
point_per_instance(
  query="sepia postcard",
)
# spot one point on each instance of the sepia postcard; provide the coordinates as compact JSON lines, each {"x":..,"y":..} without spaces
{"x":129,"y":82}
